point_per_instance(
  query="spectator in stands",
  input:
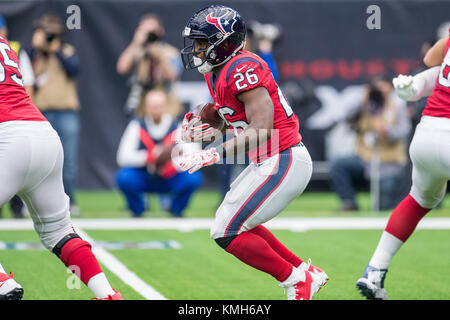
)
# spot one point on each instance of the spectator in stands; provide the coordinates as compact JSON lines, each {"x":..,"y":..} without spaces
{"x":153,"y":63}
{"x":382,"y":126}
{"x":261,"y":39}
{"x":55,"y":65}
{"x":144,"y":156}
{"x":26,"y":70}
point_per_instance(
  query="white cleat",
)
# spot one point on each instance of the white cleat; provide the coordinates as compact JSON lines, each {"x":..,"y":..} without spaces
{"x":371,"y":283}
{"x":301,"y":287}
{"x":9,"y":288}
{"x":317,"y":271}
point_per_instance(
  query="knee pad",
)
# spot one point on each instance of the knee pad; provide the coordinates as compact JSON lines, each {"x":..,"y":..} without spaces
{"x":68,"y":245}
{"x":224,"y":242}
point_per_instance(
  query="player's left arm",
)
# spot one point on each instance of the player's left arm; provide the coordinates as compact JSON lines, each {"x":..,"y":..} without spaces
{"x":259,"y":110}
{"x":411,"y":88}
{"x":435,"y":55}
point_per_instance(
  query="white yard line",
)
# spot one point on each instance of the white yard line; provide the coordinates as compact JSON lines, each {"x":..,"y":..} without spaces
{"x":120,"y":270}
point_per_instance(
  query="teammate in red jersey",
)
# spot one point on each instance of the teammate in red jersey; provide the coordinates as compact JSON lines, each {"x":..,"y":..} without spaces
{"x":249,"y":100}
{"x":430,"y":155}
{"x":31,"y":158}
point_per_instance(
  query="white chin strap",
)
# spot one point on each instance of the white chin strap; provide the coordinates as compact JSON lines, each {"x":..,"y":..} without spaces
{"x":202,"y":67}
{"x":205,"y":68}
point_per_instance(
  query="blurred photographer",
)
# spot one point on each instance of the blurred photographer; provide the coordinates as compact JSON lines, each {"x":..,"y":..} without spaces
{"x":382,"y":125}
{"x":154,"y":64}
{"x":261,"y":38}
{"x":55,"y":65}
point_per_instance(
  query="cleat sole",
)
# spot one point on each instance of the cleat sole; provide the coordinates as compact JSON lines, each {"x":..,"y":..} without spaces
{"x":15,"y":294}
{"x":366,"y":292}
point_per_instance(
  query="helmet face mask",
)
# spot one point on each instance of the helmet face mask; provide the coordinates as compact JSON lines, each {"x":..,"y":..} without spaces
{"x":222,"y":28}
{"x":193,"y":55}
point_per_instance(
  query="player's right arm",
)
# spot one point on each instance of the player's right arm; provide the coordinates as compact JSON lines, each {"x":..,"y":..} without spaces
{"x":436,"y":53}
{"x":413,"y":88}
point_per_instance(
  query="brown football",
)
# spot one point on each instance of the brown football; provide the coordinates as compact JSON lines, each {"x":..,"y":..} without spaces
{"x":165,"y":154}
{"x":209,"y":115}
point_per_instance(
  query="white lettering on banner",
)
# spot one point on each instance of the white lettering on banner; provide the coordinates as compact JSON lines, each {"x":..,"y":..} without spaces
{"x":374,"y":20}
{"x":74,"y":20}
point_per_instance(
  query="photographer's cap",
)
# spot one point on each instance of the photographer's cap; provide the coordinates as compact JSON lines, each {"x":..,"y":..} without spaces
{"x":50,"y":23}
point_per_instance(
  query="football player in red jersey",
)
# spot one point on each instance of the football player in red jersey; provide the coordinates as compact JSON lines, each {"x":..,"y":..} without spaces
{"x":31,"y":159}
{"x":430,"y":156}
{"x":251,"y":103}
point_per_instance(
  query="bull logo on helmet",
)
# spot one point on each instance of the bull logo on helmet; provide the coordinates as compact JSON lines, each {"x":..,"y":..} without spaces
{"x":224,"y":25}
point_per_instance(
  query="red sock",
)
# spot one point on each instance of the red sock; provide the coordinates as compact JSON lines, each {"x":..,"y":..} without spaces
{"x":276,"y":245}
{"x":77,"y":252}
{"x":405,"y":217}
{"x":257,"y":253}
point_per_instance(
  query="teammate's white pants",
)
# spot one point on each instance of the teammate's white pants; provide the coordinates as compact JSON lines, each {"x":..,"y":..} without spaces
{"x":262,"y":191}
{"x":430,"y":155}
{"x":31,"y":159}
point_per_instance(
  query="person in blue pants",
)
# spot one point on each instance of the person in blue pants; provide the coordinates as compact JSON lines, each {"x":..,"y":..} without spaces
{"x":137,"y":183}
{"x":146,"y":166}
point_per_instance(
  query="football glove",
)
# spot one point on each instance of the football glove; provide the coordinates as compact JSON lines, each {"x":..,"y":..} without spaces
{"x":192,"y":130}
{"x":199,"y":159}
{"x":404,"y":87}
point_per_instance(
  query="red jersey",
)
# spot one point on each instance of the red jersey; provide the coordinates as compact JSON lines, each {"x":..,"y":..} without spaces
{"x":244,"y":72}
{"x":15,"y":104}
{"x":438,"y":103}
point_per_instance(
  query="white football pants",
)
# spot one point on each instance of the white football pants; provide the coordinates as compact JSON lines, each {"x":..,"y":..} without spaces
{"x":430,"y":155}
{"x":262,"y":191}
{"x":31,"y":159}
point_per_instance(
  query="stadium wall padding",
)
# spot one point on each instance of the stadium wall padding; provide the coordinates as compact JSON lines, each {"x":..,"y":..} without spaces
{"x":325,"y":44}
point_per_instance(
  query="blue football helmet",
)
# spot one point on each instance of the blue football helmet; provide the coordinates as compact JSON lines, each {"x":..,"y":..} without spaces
{"x":219,"y":25}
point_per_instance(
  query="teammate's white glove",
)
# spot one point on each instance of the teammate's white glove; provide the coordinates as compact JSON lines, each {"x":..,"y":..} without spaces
{"x":198,"y":159}
{"x":192,"y":130}
{"x":404,"y":87}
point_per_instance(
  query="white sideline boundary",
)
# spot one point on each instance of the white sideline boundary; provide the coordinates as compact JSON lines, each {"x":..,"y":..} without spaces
{"x":192,"y":224}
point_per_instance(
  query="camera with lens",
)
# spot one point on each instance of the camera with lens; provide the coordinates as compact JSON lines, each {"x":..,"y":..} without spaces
{"x":151,"y":37}
{"x":376,"y":100}
{"x":49,"y":36}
